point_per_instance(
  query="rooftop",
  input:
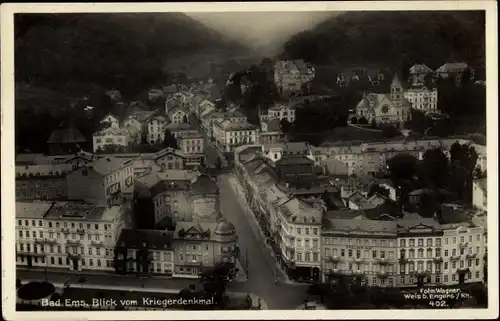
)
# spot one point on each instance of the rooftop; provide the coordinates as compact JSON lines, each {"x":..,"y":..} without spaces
{"x":152,"y":239}
{"x":69,"y":211}
{"x":112,"y":131}
{"x":204,"y":184}
{"x":63,"y":135}
{"x":229,"y":125}
{"x":44,"y":170}
{"x":32,"y":210}
{"x":179,"y":127}
{"x":108,"y":164}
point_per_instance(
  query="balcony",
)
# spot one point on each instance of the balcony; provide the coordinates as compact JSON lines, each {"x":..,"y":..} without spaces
{"x":463,"y":270}
{"x":358,"y":259}
{"x":335,"y":272}
{"x":43,"y":241}
{"x":438,"y":260}
{"x":357,"y":272}
{"x":382,"y":274}
{"x":74,"y":256}
{"x":97,"y":243}
{"x":65,"y":230}
{"x":403,"y":260}
{"x":27,"y":253}
{"x":471,"y":256}
{"x":191,"y":263}
{"x":335,"y":258}
{"x":455,"y":258}
{"x":383,"y":261}
{"x":73,"y":242}
{"x":80,"y":231}
{"x":463,"y":244}
{"x":420,"y":273}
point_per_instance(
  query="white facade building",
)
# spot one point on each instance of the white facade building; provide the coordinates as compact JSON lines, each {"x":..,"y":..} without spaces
{"x":422,"y":98}
{"x":480,"y":194}
{"x":113,"y":121}
{"x":229,"y":134}
{"x":65,"y":235}
{"x":156,"y":129}
{"x":282,"y":112}
{"x":111,"y":136}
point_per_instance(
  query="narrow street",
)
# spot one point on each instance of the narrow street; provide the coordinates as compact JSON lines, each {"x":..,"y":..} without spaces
{"x":261,"y":267}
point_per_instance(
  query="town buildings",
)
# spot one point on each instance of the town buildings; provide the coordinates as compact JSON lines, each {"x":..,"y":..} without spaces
{"x":180,"y":129}
{"x":293,"y":77}
{"x":178,"y":115}
{"x":65,"y":140}
{"x":156,"y":129}
{"x":280,"y":112}
{"x":110,"y":137}
{"x":418,"y":74}
{"x":390,"y":108}
{"x":422,"y":98}
{"x":229,"y":134}
{"x":192,"y":145}
{"x":144,"y":252}
{"x":202,"y":245}
{"x":455,"y":71}
{"x":102,"y":182}
{"x":42,"y":182}
{"x":65,"y":235}
{"x":479,"y":194}
{"x":270,"y":132}
{"x":276,"y":151}
{"x":110,"y":121}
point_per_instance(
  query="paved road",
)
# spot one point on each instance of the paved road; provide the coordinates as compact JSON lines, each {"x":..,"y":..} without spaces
{"x":261,"y":270}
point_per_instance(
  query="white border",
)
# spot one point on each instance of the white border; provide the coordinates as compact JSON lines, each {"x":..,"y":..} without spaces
{"x":7,"y":155}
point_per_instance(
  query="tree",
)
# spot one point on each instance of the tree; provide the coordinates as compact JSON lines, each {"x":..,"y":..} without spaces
{"x":434,"y":167}
{"x":185,"y":119}
{"x":390,"y":131}
{"x":363,"y":121}
{"x":169,"y":140}
{"x":466,"y":156}
{"x":460,"y":180}
{"x":285,"y":125}
{"x":428,"y":205}
{"x":402,"y":167}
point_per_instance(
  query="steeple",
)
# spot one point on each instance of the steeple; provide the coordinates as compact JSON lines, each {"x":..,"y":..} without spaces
{"x":396,"y":89}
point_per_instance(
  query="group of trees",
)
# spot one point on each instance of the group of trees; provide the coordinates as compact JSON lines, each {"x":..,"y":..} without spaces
{"x":437,"y":173}
{"x":213,"y":285}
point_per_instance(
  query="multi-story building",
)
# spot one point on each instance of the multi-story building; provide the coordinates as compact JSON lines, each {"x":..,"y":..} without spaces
{"x":418,"y":73}
{"x":479,"y":194}
{"x":276,"y":151}
{"x":169,"y":191}
{"x":102,"y":182}
{"x":422,"y":98}
{"x":293,"y":77}
{"x":270,"y":132}
{"x":202,"y":245}
{"x":144,"y":252}
{"x":192,"y":145}
{"x":209,"y":120}
{"x":111,"y":121}
{"x":178,"y":115}
{"x":65,"y":140}
{"x":110,"y":136}
{"x":156,"y":129}
{"x":463,"y":251}
{"x":180,"y":129}
{"x":390,"y":108}
{"x":420,"y":251}
{"x":42,"y":182}
{"x":280,"y":112}
{"x":455,"y":70}
{"x":230,"y":134}
{"x":66,"y":235}
{"x":168,"y":158}
{"x":362,"y":249}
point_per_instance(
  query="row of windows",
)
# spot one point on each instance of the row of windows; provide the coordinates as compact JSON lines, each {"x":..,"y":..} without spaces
{"x":366,"y":267}
{"x":80,"y":237}
{"x":306,"y":230}
{"x":307,"y":257}
{"x":120,"y":174}
{"x":111,"y":140}
{"x":358,"y":242}
{"x":306,"y":243}
{"x":67,"y":262}
{"x":67,"y":250}
{"x":358,"y":254}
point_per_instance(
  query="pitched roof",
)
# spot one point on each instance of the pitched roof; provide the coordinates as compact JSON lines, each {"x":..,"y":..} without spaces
{"x":179,"y":127}
{"x":63,"y":135}
{"x":44,"y":170}
{"x":420,"y":69}
{"x":365,"y":225}
{"x":203,"y":184}
{"x":453,"y":67}
{"x":294,"y":160}
{"x":154,"y":239}
{"x":32,"y":210}
{"x":107,"y":165}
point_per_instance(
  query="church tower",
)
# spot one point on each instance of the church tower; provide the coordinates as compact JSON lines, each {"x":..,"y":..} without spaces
{"x":396,"y":91}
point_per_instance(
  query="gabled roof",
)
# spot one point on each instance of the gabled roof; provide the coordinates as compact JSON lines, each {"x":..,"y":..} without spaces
{"x":420,"y":69}
{"x":203,"y":184}
{"x":453,"y":67}
{"x":153,"y":239}
{"x":107,"y":165}
{"x":63,"y":135}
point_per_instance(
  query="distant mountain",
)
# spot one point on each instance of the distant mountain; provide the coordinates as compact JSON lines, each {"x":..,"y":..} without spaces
{"x":394,"y":38}
{"x":107,"y":47}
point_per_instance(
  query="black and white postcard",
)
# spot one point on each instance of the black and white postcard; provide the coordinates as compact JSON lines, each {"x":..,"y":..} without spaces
{"x":286,"y":160}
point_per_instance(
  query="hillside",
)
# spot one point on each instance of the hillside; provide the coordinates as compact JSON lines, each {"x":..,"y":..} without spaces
{"x":108,"y":49}
{"x":396,"y":38}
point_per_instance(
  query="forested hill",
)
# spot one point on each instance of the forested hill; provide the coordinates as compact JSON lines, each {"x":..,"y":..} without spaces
{"x":104,"y":47}
{"x":393,"y":37}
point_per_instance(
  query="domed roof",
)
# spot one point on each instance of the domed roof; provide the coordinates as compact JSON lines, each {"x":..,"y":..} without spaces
{"x":224,"y":227}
